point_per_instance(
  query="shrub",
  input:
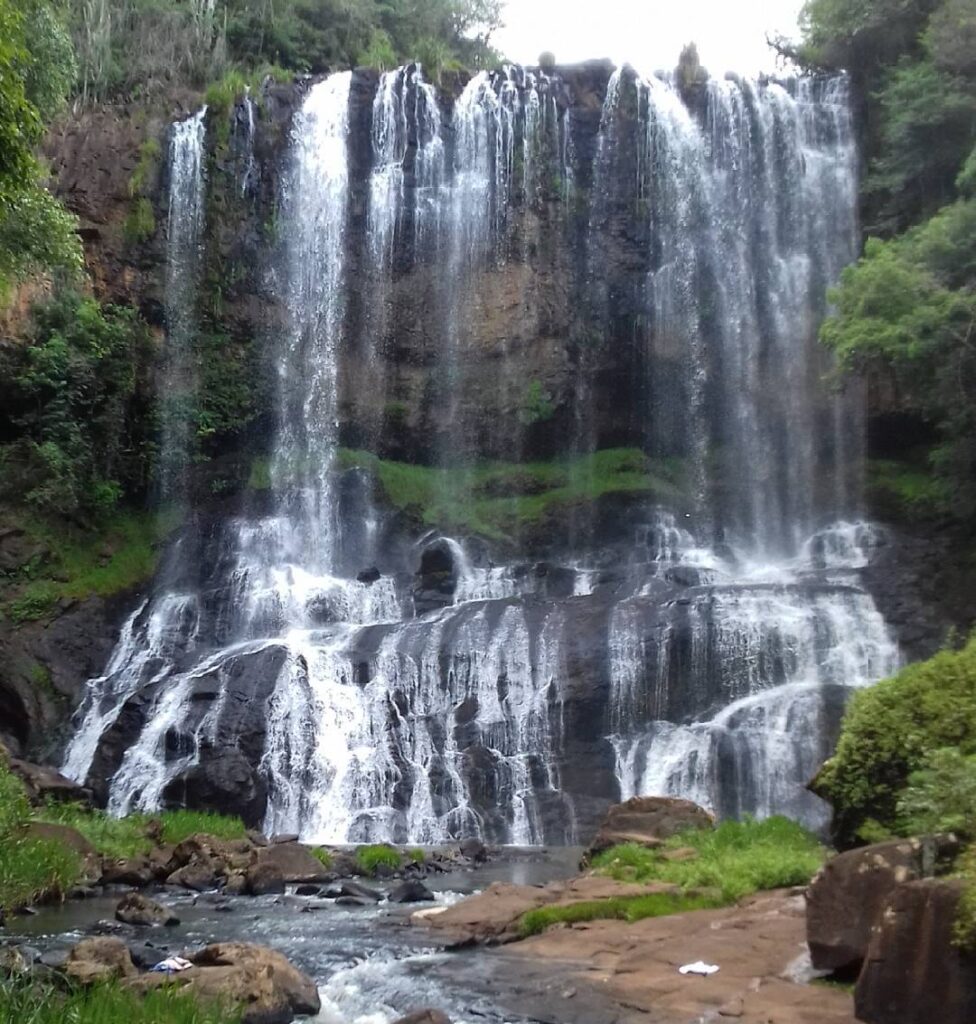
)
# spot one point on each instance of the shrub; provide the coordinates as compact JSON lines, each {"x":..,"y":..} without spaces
{"x":369,"y":858}
{"x":736,"y":858}
{"x":940,"y":796}
{"x":889,"y":731}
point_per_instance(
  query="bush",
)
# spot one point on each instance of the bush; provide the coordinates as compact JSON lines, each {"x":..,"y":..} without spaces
{"x":940,"y":796}
{"x":889,"y":732}
{"x":369,"y":858}
{"x":736,"y":858}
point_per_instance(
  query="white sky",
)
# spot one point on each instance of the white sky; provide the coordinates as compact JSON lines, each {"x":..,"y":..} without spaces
{"x":731,"y":34}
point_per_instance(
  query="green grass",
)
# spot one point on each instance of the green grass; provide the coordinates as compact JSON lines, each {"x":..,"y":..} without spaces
{"x":32,"y":1003}
{"x":29,"y":868}
{"x":127,"y":837}
{"x":323,"y":856}
{"x":494,"y":498}
{"x":369,"y":858}
{"x":416,"y":856}
{"x":629,"y":908}
{"x":150,"y":153}
{"x":140,"y":222}
{"x":115,"y":558}
{"x":735,"y":859}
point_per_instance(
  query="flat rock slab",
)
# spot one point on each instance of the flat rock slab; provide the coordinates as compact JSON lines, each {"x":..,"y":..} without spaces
{"x":636,"y":965}
{"x":492,"y":917}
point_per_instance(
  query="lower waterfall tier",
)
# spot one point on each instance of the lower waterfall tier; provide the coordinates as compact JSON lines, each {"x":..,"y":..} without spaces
{"x":514,"y":702}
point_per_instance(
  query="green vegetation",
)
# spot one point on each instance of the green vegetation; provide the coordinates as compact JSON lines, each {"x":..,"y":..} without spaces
{"x":127,"y":48}
{"x":29,"y":867}
{"x":904,"y":491}
{"x":27,"y":1002}
{"x":129,"y":836}
{"x":965,"y":928}
{"x":734,"y":859}
{"x":323,"y":856}
{"x":906,"y":313}
{"x":36,"y":70}
{"x":150,"y":153}
{"x":416,"y":856}
{"x":494,"y":499}
{"x":537,"y":406}
{"x":629,"y":908}
{"x":940,"y":796}
{"x":77,"y":563}
{"x":140,"y":224}
{"x":76,"y":409}
{"x":369,"y":858}
{"x":890,"y":742}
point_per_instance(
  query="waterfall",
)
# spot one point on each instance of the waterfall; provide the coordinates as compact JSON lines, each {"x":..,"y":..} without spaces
{"x":184,"y":236}
{"x":701,"y":645}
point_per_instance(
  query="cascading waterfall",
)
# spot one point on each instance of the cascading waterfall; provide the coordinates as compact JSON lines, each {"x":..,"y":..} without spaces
{"x":707,"y":655}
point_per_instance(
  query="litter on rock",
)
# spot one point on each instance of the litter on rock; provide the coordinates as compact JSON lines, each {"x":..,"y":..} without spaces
{"x":172,"y":965}
{"x":698,"y":967}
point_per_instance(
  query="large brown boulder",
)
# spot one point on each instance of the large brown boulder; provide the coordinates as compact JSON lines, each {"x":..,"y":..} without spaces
{"x":846,"y":897}
{"x":263,"y":879}
{"x":267,"y":988}
{"x":647,"y":820}
{"x":135,"y":871}
{"x":912,"y":972}
{"x":99,"y":959}
{"x":295,"y":862}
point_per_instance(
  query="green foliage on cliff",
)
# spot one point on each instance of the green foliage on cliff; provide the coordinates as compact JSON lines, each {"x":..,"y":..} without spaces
{"x":941,"y":795}
{"x":895,"y":729}
{"x":36,"y":67}
{"x":494,"y":499}
{"x":28,"y":1002}
{"x":73,"y":409}
{"x":734,"y":859}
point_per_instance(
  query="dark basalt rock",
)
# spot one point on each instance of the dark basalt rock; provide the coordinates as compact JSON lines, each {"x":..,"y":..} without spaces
{"x":352,"y":890}
{"x":912,"y":968}
{"x":846,"y":898}
{"x":411,"y":892}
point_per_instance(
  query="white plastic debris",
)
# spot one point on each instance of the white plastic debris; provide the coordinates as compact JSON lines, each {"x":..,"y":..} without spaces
{"x":172,"y":965}
{"x":698,"y":967}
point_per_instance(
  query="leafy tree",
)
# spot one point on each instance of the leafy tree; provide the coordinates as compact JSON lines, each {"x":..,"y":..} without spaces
{"x":75,"y":407}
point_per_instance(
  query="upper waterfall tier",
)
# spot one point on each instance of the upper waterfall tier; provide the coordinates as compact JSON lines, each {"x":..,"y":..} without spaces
{"x":553,"y":505}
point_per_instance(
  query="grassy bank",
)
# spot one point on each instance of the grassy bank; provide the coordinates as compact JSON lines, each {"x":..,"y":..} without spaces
{"x":734,"y":859}
{"x":76,"y":563}
{"x":34,"y":868}
{"x":493,"y":499}
{"x":29,"y":1003}
{"x":632,"y":908}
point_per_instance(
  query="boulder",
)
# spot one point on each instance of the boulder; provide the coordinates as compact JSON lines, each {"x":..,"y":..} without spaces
{"x":263,"y":879}
{"x":200,"y":876}
{"x":845,"y":898}
{"x":474,"y":849}
{"x":141,"y":910}
{"x":648,"y":821}
{"x":424,"y":1017}
{"x":91,"y":865}
{"x":912,"y":972}
{"x":12,"y":962}
{"x":135,"y":871}
{"x":411,"y":891}
{"x":236,"y":884}
{"x":99,"y":959}
{"x":353,"y":890}
{"x":44,"y":783}
{"x":268,"y":989}
{"x":295,"y":862}
{"x":257,"y":838}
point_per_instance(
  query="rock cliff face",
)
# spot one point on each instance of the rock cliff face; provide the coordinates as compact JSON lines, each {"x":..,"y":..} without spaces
{"x":510,"y":485}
